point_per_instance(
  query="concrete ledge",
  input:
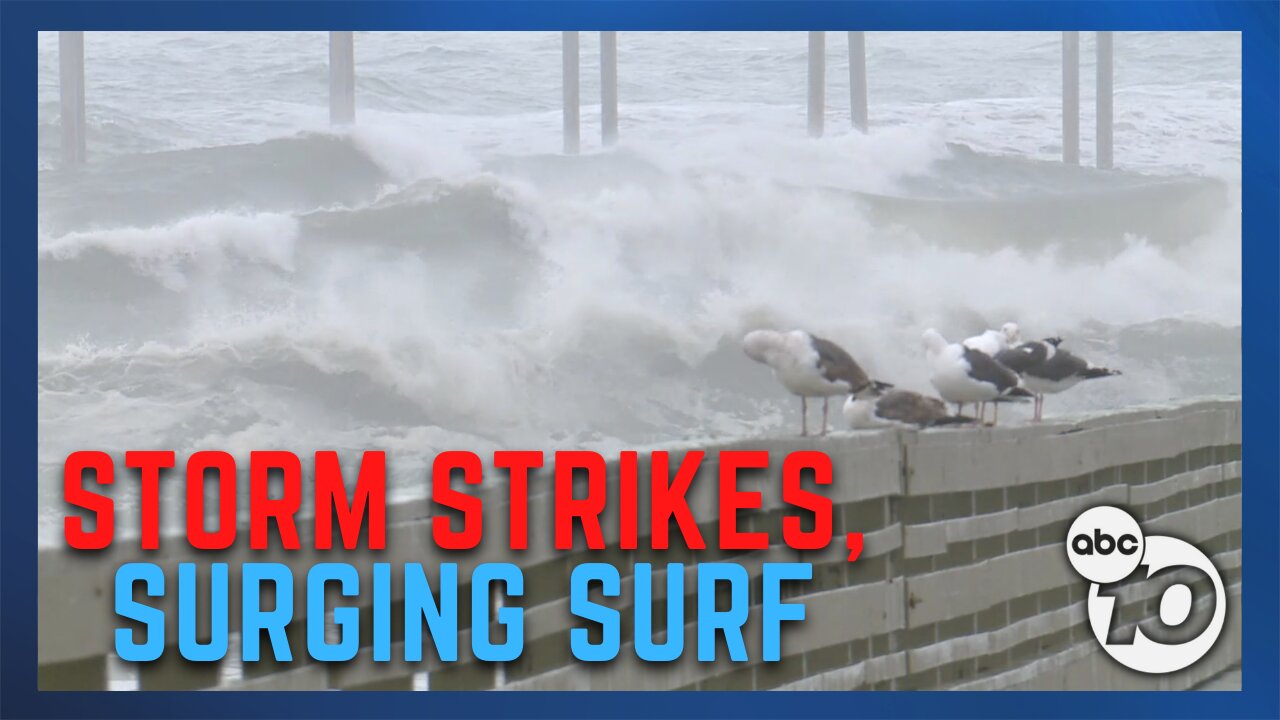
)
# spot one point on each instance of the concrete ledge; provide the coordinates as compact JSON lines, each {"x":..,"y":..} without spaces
{"x":963,"y":581}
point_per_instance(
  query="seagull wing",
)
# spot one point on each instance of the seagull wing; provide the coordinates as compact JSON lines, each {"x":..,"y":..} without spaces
{"x":1060,"y":367}
{"x":837,"y":365}
{"x":1022,"y":358}
{"x":984,"y":368}
{"x":910,"y":407}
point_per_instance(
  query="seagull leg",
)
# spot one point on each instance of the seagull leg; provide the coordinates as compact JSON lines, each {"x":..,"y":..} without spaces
{"x":804,"y":416}
{"x":824,"y":415}
{"x":995,"y":414}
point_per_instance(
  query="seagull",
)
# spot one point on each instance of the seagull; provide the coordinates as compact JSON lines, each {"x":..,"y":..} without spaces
{"x":963,"y":375}
{"x":808,"y":366}
{"x":873,"y":407}
{"x":994,"y":341}
{"x":1028,"y":354}
{"x":1046,"y":368}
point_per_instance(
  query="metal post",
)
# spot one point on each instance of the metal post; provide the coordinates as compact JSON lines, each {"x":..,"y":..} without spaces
{"x":1105,"y":93}
{"x":1071,"y":98}
{"x":817,"y":81}
{"x":342,"y":78}
{"x":609,"y":87}
{"x":858,"y":79}
{"x":71,"y":94}
{"x":569,"y":54}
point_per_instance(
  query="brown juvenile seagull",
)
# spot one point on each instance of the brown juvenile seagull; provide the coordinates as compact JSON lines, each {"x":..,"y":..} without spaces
{"x":874,"y":408}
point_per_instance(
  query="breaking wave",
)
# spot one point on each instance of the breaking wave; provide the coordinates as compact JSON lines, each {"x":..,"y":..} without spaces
{"x":374,"y":289}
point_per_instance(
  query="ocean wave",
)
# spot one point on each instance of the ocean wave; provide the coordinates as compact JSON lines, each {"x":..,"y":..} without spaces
{"x":291,"y":174}
{"x":598,"y":301}
{"x":165,"y":252}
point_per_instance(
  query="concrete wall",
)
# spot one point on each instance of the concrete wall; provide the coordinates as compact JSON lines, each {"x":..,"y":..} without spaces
{"x":963,"y":582}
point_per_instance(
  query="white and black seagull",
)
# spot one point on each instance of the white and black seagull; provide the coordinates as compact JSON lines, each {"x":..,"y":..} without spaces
{"x":808,"y":366}
{"x":963,"y":375}
{"x":993,"y":342}
{"x":874,"y":407}
{"x":1046,"y":368}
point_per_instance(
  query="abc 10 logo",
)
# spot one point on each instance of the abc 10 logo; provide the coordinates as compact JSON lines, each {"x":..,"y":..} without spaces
{"x":1105,"y":545}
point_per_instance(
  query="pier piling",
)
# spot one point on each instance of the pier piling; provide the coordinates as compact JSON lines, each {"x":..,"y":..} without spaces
{"x":1105,"y":96}
{"x":342,"y":78}
{"x":71,"y":95}
{"x":817,"y":81}
{"x":609,"y":88}
{"x":1071,"y":98}
{"x":569,"y":55}
{"x":858,"y":80}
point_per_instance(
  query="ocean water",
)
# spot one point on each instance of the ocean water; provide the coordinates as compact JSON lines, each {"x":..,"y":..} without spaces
{"x":228,"y":272}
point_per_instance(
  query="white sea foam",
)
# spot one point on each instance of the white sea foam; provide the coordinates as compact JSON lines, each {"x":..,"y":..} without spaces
{"x":207,"y":241}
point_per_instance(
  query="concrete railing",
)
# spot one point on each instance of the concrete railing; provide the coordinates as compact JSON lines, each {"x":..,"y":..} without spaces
{"x":963,"y":582}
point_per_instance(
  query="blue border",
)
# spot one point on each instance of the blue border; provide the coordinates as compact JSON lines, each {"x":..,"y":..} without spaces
{"x":19,"y":21}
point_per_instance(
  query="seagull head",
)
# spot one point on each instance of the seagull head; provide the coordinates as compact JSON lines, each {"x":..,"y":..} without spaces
{"x":759,"y":344}
{"x":933,"y":341}
{"x":1012,"y":335}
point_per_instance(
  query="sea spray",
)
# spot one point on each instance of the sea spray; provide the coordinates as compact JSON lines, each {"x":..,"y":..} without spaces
{"x":441,"y":277}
